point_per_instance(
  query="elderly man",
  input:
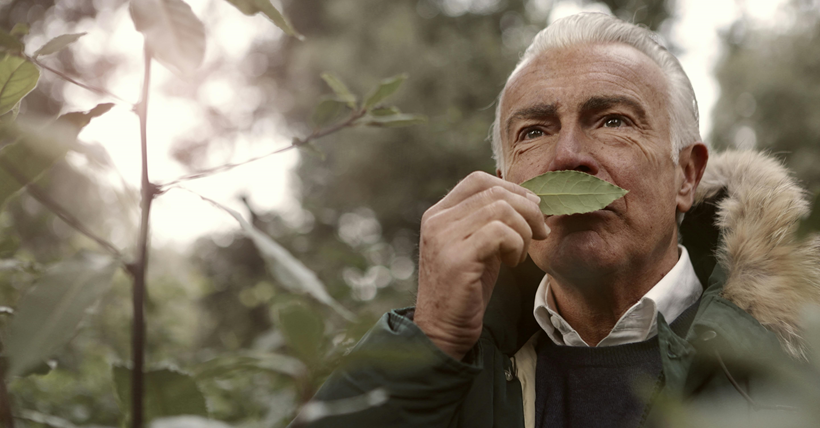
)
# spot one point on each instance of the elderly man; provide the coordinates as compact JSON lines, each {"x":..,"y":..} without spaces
{"x":619,"y":303}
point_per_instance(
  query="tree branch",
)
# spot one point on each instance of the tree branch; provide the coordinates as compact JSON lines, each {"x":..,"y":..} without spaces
{"x":148,"y":191}
{"x":6,"y":418}
{"x":69,"y":79}
{"x":42,"y":197}
{"x":315,"y":135}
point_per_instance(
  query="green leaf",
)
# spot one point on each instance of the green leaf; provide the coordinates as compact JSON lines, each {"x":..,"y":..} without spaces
{"x":386,"y":88}
{"x":56,"y":44}
{"x":385,"y":111}
{"x":187,"y":421}
{"x":328,"y":110}
{"x":287,"y":270}
{"x":246,"y":360}
{"x":395,"y":121}
{"x":37,"y":149}
{"x":304,"y":330}
{"x":19,"y":30}
{"x":252,"y":7}
{"x":17,"y":78}
{"x":81,"y":119}
{"x":340,"y":89}
{"x":572,"y":192}
{"x":10,"y":43}
{"x":168,"y":392}
{"x":43,"y":419}
{"x":174,"y":34}
{"x":315,"y":410}
{"x":312,"y":150}
{"x":51,"y":310}
{"x":10,"y":116}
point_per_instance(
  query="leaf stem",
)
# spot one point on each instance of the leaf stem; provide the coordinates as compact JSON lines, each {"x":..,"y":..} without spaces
{"x":69,"y":79}
{"x":316,"y":134}
{"x":42,"y":197}
{"x":148,"y":191}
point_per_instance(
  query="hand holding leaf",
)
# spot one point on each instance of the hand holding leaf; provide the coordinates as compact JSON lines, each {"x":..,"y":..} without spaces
{"x":572,"y":192}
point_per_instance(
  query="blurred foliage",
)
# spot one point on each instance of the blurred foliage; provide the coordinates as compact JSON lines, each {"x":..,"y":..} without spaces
{"x":770,"y":89}
{"x":220,"y":313}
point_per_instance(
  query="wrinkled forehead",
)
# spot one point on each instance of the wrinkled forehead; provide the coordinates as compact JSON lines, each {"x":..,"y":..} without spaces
{"x":616,"y":63}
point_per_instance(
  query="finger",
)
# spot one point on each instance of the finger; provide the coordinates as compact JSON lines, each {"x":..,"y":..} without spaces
{"x":526,"y":208}
{"x":499,"y":210}
{"x":497,"y":239}
{"x":477,"y":182}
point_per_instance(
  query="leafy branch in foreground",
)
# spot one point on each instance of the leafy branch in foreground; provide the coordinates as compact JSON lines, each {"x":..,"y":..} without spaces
{"x":42,"y":197}
{"x":288,"y":270}
{"x":326,"y":119}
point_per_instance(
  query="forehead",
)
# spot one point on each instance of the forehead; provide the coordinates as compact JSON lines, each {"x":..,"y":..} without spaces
{"x":568,"y":76}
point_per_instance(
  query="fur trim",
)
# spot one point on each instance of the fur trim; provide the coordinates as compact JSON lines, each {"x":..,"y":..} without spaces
{"x":772,"y":274}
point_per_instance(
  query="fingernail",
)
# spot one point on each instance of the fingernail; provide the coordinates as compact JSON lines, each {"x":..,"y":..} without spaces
{"x":533,"y":197}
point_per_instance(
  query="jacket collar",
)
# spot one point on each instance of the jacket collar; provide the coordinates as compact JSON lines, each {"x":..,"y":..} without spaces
{"x":743,"y":222}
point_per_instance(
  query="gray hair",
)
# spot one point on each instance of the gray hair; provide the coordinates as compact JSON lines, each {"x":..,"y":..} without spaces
{"x":586,"y":28}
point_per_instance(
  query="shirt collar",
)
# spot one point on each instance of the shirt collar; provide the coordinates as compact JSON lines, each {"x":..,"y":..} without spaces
{"x":676,"y":291}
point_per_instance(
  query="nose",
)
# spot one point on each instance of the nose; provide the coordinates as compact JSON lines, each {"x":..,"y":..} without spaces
{"x":571,"y":152}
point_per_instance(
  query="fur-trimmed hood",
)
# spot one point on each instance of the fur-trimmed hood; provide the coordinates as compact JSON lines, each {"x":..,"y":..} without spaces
{"x":771,"y":273}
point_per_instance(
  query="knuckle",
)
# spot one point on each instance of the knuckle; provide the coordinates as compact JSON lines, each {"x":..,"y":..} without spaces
{"x":476,"y":175}
{"x":498,"y":209}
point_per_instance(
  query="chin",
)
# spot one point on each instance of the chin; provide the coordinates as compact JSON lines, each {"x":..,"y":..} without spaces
{"x":573,"y":253}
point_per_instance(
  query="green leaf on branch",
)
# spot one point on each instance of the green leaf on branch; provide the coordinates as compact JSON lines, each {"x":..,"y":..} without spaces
{"x":81,"y":119}
{"x":328,"y":110}
{"x":312,"y":150}
{"x":18,"y":77}
{"x":395,"y":120}
{"x":168,"y":392}
{"x":36,"y":149}
{"x":58,"y":43}
{"x":572,"y":192}
{"x":386,"y":88}
{"x":10,"y":116}
{"x":175,"y":36}
{"x":287,"y":270}
{"x":385,"y":111}
{"x":246,"y":360}
{"x":19,"y":30}
{"x":315,"y":410}
{"x":51,"y":310}
{"x":9,"y":42}
{"x":304,"y":330}
{"x":340,"y":89}
{"x":252,"y":7}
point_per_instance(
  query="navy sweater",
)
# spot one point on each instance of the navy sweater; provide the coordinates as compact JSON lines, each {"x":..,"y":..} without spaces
{"x":595,"y":387}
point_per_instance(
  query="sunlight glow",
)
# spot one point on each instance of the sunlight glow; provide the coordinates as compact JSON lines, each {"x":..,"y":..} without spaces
{"x":178,"y":108}
{"x":177,"y":112}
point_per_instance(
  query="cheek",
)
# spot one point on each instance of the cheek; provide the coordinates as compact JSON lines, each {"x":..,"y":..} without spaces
{"x":640,"y":149}
{"x":527,"y":161}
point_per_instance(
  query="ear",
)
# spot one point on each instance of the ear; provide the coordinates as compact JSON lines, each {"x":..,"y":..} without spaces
{"x":692,"y":163}
{"x":499,"y":174}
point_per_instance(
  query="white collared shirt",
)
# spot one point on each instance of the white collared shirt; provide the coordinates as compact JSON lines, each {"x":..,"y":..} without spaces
{"x":676,"y":291}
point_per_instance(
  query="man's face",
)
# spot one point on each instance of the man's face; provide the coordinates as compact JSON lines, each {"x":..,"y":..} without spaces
{"x":600,"y":109}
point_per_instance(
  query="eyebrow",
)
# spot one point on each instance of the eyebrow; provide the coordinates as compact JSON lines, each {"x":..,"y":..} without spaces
{"x":604,"y":103}
{"x":538,"y":111}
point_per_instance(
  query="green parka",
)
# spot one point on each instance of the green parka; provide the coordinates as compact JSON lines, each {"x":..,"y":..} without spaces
{"x":755,"y":273}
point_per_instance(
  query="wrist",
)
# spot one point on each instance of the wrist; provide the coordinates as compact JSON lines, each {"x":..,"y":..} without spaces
{"x":454,"y":345}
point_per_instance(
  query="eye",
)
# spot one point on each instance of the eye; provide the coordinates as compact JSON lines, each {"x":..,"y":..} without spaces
{"x":614,"y":122}
{"x":532,"y":133}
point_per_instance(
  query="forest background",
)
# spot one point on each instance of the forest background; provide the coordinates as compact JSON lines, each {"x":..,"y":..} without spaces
{"x":225,"y":338}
